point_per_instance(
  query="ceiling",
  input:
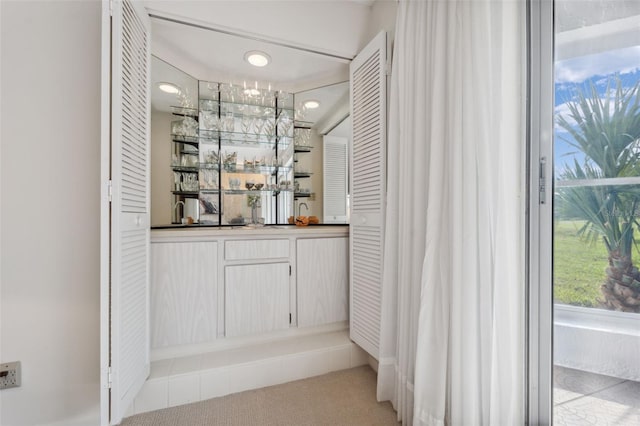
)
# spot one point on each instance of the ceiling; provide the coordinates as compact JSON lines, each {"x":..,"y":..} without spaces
{"x":338,"y":27}
{"x":310,"y":43}
{"x":215,"y":56}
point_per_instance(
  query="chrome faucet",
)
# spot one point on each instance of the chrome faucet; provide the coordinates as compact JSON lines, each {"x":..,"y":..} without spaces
{"x":300,"y":207}
{"x":175,"y":208}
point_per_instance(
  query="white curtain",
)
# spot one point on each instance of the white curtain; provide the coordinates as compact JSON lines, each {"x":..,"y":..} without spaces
{"x":453,"y":306}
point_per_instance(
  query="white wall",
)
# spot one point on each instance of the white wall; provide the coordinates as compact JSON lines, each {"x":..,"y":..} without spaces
{"x":383,"y":17}
{"x":161,"y":174}
{"x":49,"y":210}
{"x":597,"y":340}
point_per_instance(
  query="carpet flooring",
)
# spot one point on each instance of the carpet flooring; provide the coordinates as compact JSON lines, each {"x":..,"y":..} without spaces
{"x":342,"y":398}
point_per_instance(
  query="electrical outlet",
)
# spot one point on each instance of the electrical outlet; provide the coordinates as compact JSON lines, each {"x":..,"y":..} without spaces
{"x":10,"y":375}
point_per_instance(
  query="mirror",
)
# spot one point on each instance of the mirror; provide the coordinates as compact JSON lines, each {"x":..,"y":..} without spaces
{"x":163,"y":150}
{"x":186,"y":55}
{"x":322,"y":143}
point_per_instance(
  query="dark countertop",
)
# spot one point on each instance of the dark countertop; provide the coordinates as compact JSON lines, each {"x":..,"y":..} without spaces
{"x":212,"y":226}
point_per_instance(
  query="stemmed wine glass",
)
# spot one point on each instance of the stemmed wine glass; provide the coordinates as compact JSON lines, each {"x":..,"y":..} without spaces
{"x":258,"y":124}
{"x":284,"y":124}
{"x":270,"y":128}
{"x":245,"y":126}
{"x":229,"y":122}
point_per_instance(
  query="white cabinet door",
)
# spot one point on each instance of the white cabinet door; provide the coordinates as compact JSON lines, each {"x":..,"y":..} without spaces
{"x":368,"y":166}
{"x":323,"y":280}
{"x":125,"y":227}
{"x":183,"y":293}
{"x":256,"y":298}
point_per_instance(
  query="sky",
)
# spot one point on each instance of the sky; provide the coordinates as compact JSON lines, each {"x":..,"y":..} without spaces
{"x":575,"y":73}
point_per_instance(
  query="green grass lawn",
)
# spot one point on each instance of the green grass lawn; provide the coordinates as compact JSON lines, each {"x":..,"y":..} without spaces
{"x":579,"y":266}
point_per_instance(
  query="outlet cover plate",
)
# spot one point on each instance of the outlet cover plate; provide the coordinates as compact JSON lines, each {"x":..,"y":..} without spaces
{"x":10,"y":375}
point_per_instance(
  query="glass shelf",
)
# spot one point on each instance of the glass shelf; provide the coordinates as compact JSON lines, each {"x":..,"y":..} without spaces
{"x":188,"y":169}
{"x":191,"y":140}
{"x":185,"y":112}
{"x":253,"y":191}
{"x":209,"y":166}
{"x":302,"y":148}
{"x":297,"y":175}
{"x":254,"y":110}
{"x":240,"y":139}
{"x":301,"y":194}
{"x":238,"y":169}
{"x":209,"y":191}
{"x":189,"y":194}
{"x":260,"y":170}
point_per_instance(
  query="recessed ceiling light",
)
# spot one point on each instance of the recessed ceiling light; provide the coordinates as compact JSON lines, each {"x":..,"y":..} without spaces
{"x":168,"y":87}
{"x":257,"y":58}
{"x":311,"y":104}
{"x":251,"y":92}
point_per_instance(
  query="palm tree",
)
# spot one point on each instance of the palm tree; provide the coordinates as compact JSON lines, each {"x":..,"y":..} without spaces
{"x":607,"y":131}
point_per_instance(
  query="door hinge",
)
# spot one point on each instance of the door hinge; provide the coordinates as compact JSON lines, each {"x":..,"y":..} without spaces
{"x":289,"y":270}
{"x":387,"y":68}
{"x":289,"y":317}
{"x":109,"y":377}
{"x":110,"y":7}
{"x":542,"y":184}
{"x":110,"y":190}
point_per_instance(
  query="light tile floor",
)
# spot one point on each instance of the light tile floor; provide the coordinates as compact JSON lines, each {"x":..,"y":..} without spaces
{"x":582,"y":398}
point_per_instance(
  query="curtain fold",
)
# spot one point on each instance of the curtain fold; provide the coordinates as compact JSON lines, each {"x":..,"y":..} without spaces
{"x":452,"y":324}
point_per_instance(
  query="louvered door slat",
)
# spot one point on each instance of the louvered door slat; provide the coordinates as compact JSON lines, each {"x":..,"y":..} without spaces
{"x":132,"y":296}
{"x":368,"y":151}
{"x":130,"y":207}
{"x":369,"y":101}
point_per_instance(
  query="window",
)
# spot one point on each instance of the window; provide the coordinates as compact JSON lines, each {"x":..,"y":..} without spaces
{"x":596,"y":212}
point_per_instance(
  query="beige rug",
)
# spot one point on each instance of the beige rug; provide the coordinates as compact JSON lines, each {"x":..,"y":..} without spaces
{"x":345,"y":397}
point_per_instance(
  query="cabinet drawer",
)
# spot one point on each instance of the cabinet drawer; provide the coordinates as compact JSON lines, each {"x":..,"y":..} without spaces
{"x":256,"y":249}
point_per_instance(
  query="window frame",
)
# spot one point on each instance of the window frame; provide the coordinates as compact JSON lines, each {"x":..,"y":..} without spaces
{"x":540,"y":36}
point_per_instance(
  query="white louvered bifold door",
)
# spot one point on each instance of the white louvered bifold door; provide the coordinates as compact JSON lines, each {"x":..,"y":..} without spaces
{"x":130,"y":115}
{"x":368,"y":155}
{"x":335,"y":164}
